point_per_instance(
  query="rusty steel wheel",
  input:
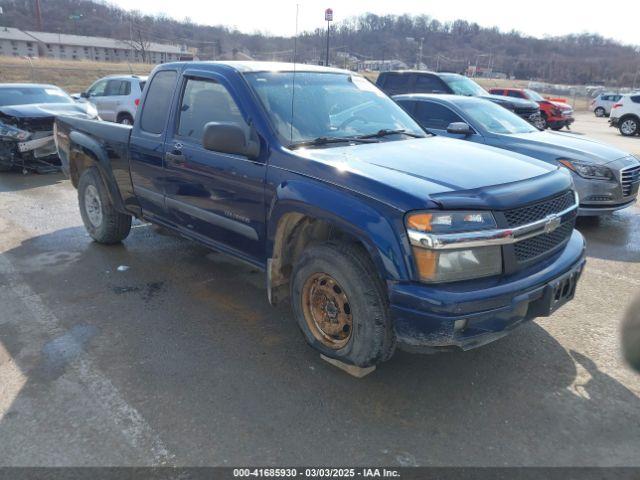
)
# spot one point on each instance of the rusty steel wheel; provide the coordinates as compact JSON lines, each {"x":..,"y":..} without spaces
{"x":327,"y":310}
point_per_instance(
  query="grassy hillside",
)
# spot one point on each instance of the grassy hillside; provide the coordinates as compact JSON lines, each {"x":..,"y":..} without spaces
{"x":73,"y":76}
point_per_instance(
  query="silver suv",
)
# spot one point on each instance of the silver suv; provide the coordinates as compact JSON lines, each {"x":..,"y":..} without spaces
{"x":601,"y":105}
{"x":116,"y":97}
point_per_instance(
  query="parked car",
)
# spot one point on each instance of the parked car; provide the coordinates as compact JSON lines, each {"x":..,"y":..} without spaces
{"x":606,"y":178}
{"x":418,"y":81}
{"x":555,"y":115}
{"x":377,"y":232}
{"x":27,"y":112}
{"x":625,"y":115}
{"x":601,"y":105}
{"x":116,"y":97}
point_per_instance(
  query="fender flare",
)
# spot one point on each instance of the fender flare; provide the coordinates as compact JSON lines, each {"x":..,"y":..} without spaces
{"x":96,"y":155}
{"x":364,"y":220}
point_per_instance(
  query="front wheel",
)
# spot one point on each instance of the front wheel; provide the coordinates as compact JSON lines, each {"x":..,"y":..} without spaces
{"x":628,"y":126}
{"x":103,"y":222}
{"x":599,"y":112}
{"x":341,"y":305}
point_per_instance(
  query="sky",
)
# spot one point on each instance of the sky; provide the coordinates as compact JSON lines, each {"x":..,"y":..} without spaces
{"x":539,"y":18}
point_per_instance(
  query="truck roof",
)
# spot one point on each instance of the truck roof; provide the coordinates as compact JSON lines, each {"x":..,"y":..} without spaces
{"x":257,"y":66}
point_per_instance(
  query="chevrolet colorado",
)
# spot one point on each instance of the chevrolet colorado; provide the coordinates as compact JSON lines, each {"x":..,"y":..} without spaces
{"x":379,"y":233}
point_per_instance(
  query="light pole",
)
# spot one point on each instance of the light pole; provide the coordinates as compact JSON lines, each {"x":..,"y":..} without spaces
{"x":328,"y":16}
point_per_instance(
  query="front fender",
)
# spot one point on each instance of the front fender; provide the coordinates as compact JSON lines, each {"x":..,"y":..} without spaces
{"x":377,"y":226}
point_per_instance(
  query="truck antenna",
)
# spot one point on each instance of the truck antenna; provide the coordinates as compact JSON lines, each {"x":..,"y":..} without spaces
{"x":293,"y":79}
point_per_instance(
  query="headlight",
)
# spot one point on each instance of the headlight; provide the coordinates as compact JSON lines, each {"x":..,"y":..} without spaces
{"x":13,"y":133}
{"x":588,"y":170}
{"x":437,"y":266}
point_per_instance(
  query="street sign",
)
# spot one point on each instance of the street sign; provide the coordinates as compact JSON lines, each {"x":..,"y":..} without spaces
{"x":328,"y":15}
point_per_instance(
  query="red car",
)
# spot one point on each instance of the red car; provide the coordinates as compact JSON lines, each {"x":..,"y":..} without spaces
{"x":555,"y":115}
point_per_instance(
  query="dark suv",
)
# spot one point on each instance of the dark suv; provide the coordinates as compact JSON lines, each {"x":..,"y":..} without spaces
{"x":417,"y":81}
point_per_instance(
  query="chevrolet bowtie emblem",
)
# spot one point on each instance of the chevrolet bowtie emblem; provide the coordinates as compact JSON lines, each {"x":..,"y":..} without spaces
{"x":552,"y":223}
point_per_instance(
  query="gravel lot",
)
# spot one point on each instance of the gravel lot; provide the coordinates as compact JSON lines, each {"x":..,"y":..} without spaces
{"x":179,"y":360}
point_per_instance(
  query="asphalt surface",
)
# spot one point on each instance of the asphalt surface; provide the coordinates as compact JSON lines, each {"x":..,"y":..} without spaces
{"x":159,"y":351}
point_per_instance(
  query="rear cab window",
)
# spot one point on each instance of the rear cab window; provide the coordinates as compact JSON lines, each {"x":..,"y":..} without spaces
{"x":155,"y":109}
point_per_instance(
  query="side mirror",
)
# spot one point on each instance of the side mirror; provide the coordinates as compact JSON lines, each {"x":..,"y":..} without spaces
{"x":229,"y":138}
{"x":84,"y":95}
{"x":459,"y":128}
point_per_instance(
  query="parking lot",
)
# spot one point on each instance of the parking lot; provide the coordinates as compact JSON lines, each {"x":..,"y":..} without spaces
{"x":159,"y":351}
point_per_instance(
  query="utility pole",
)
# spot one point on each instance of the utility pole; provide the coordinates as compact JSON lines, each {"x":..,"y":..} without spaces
{"x":328,"y":16}
{"x":419,"y":66}
{"x":38,"y":15}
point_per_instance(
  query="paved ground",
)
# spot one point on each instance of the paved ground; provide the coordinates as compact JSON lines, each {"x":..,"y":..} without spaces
{"x":179,"y":360}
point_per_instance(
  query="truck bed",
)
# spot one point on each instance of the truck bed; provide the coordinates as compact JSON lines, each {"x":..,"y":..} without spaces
{"x":106,"y":143}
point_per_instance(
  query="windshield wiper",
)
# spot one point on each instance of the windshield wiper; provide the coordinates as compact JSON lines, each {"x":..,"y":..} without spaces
{"x":385,"y":132}
{"x":316,"y":142}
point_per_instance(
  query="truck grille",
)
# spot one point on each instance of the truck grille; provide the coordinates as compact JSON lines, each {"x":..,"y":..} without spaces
{"x":545,"y":243}
{"x":537,"y":246}
{"x":538,"y":211}
{"x":628,"y":178}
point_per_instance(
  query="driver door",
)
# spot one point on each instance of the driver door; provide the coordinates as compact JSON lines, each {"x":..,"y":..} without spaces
{"x":216,"y":196}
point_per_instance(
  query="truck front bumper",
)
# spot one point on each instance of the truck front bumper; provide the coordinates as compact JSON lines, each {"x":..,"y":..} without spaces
{"x":470,"y":314}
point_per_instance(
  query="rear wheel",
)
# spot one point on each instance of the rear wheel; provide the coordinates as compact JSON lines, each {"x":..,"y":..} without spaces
{"x":103,"y":222}
{"x":600,"y":112}
{"x":628,"y":126}
{"x":341,"y":306}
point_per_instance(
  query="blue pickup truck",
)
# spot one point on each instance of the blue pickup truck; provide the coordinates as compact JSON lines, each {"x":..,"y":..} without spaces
{"x":378,"y":233}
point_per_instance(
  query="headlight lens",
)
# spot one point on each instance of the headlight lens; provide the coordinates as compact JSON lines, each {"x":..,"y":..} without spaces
{"x":588,"y":170}
{"x":13,"y":133}
{"x":438,"y":266}
{"x":450,"y":222}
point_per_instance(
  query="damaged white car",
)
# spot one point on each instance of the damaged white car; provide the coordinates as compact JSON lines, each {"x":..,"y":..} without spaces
{"x":27,"y":114}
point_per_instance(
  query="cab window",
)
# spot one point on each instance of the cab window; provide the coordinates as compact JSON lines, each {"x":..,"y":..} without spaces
{"x":157,"y":102}
{"x":205,"y":101}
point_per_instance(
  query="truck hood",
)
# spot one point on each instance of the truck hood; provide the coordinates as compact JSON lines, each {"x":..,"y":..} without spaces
{"x":46,"y":110}
{"x":551,"y":146}
{"x":419,"y":168}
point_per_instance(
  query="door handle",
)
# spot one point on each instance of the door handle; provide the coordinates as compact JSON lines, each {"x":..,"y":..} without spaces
{"x":175,"y":158}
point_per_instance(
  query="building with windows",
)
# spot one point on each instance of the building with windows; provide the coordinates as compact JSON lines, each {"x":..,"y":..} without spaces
{"x":18,"y":43}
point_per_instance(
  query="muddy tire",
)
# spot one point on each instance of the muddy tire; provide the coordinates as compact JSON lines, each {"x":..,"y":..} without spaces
{"x":100,"y":218}
{"x":341,"y":304}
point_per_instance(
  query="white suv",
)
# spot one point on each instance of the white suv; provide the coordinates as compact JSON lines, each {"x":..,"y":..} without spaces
{"x":116,"y":97}
{"x":601,"y":105}
{"x":625,"y":115}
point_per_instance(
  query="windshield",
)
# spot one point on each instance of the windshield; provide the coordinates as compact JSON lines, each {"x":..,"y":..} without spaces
{"x":497,"y":119}
{"x":462,"y":85}
{"x":28,"y":95}
{"x":535,"y":96}
{"x":328,"y":105}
